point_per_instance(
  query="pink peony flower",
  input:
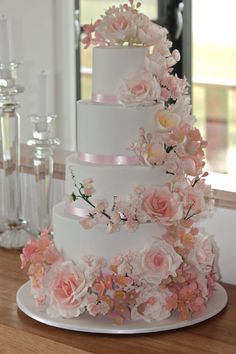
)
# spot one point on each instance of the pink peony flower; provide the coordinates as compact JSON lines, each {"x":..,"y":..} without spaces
{"x":162,"y":205}
{"x":160,"y":261}
{"x":67,"y":287}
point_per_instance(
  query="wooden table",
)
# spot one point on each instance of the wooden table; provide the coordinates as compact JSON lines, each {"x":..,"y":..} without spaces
{"x":22,"y":335}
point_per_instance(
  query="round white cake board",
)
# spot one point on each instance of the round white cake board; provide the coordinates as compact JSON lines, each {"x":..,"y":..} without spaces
{"x":100,"y":324}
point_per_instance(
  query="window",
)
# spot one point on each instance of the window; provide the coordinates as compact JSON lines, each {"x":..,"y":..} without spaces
{"x":214,"y":79}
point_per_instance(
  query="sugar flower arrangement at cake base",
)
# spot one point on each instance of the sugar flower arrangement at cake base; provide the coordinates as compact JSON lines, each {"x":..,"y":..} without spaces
{"x":176,"y":271}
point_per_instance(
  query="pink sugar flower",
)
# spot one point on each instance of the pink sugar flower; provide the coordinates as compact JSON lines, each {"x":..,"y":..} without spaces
{"x":111,"y":227}
{"x":131,"y":224}
{"x":155,"y":154}
{"x":30,"y":249}
{"x":149,"y":33}
{"x":36,"y":274}
{"x":162,"y":205}
{"x":194,"y":202}
{"x":101,"y":308}
{"x":88,"y":188}
{"x":101,"y":205}
{"x":202,"y":254}
{"x":151,"y":305}
{"x":193,"y":165}
{"x":141,"y":89}
{"x":160,"y":261}
{"x":67,"y":287}
{"x":88,"y":222}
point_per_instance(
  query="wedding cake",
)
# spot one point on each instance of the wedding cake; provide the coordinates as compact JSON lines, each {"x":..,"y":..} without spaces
{"x":126,"y":244}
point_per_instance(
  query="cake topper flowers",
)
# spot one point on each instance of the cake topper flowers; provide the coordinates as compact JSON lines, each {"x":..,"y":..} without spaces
{"x":123,"y":25}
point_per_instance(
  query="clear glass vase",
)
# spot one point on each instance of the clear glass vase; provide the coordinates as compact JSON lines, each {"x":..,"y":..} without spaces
{"x":13,"y":232}
{"x":43,"y":143}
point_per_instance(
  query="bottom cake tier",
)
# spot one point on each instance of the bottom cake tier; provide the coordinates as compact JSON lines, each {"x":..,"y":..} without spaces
{"x":75,"y":241}
{"x":144,"y":275}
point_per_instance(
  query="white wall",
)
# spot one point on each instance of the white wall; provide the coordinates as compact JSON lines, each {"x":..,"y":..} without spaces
{"x":42,"y":38}
{"x":222,"y":225}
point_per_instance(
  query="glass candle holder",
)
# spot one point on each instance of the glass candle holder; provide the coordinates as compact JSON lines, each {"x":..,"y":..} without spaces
{"x":13,"y":228}
{"x":44,"y":143}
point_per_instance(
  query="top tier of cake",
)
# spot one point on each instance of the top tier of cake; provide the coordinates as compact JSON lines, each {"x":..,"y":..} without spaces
{"x":110,"y":66}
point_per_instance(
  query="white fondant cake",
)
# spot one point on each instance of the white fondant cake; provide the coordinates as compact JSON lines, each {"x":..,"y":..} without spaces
{"x":126,"y":244}
{"x":111,"y":64}
{"x":101,"y":126}
{"x":110,"y":180}
{"x":97,"y":242}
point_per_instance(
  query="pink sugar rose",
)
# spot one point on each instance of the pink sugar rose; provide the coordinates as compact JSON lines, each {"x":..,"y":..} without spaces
{"x":162,"y":205}
{"x":151,"y":304}
{"x":141,"y":89}
{"x":160,"y":261}
{"x":67,"y":286}
{"x":202,"y":254}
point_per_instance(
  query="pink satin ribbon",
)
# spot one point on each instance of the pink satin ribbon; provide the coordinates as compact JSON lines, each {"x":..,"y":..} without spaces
{"x":81,"y":212}
{"x":107,"y":99}
{"x":108,"y":159}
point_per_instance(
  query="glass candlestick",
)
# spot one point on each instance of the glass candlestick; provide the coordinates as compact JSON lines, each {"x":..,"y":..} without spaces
{"x":43,"y":143}
{"x":13,"y":232}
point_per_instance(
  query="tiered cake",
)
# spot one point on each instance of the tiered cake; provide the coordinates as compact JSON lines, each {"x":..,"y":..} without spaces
{"x":125,"y":241}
